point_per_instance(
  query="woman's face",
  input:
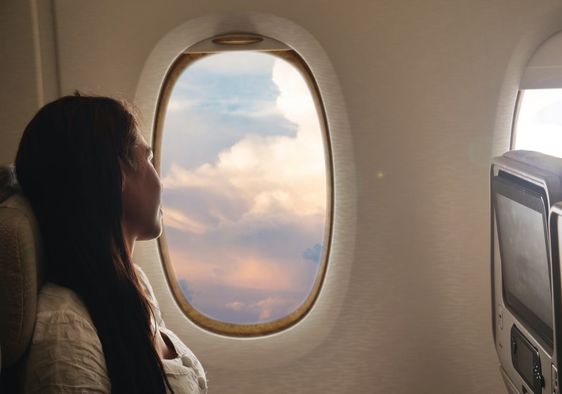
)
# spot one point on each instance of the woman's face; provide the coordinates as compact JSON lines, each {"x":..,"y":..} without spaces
{"x":142,"y":215}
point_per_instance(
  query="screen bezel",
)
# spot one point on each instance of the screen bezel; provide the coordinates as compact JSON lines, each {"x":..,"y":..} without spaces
{"x":533,"y":197}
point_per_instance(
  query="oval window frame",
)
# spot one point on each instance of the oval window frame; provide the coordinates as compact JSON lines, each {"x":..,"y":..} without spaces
{"x":218,"y":44}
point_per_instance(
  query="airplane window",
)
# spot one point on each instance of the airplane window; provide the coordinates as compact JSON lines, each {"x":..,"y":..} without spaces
{"x":243,"y":154}
{"x":538,"y":124}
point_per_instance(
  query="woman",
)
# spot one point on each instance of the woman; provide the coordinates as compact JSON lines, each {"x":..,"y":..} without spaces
{"x":88,"y":175}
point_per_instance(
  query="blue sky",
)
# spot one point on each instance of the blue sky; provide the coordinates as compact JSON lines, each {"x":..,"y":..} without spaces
{"x":244,"y":179}
{"x":220,"y":106}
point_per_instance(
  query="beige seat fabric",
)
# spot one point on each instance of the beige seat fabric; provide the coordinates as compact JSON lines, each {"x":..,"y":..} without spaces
{"x":20,"y":269}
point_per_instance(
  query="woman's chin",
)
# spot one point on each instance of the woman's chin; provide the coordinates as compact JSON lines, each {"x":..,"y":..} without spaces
{"x":152,"y":233}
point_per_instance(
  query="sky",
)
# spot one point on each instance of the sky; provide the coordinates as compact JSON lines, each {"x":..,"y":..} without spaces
{"x":244,"y":198}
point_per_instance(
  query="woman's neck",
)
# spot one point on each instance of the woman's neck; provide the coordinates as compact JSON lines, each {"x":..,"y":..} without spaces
{"x":128,"y":238}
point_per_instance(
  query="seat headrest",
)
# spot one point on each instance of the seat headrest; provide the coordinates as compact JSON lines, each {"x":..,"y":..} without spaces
{"x":21,"y":269}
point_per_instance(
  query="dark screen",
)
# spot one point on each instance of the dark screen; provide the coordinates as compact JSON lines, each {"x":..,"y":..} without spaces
{"x":522,"y":233}
{"x":524,"y":257}
{"x":525,"y":358}
{"x":525,"y":362}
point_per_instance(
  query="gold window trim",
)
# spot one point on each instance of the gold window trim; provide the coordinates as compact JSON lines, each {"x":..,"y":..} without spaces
{"x":216,"y":326}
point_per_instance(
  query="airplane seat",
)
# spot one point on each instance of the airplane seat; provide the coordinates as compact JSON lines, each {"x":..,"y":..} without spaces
{"x":524,"y":185}
{"x":21,"y":276}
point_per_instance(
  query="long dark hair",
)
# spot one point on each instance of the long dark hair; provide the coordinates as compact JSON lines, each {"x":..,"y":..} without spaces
{"x":67,"y":165}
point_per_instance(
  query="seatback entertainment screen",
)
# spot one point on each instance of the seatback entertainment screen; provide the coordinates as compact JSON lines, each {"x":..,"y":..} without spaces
{"x":521,"y":216}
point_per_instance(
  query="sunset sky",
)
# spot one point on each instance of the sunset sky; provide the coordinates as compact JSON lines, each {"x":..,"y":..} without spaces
{"x":244,"y":179}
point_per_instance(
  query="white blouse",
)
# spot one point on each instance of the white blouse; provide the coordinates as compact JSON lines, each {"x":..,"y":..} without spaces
{"x":66,"y":355}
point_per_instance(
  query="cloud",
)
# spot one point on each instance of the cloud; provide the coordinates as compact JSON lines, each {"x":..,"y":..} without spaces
{"x":280,"y":175}
{"x":209,"y":112}
{"x":179,"y":104}
{"x":242,"y":221}
{"x":179,"y":220}
{"x":235,"y":305}
{"x":244,"y":270}
{"x":269,"y":308}
{"x":232,"y":277}
{"x":258,"y":274}
{"x":258,"y":109}
{"x":215,"y":256}
{"x":270,"y":173}
{"x":270,"y":305}
{"x":313,"y":254}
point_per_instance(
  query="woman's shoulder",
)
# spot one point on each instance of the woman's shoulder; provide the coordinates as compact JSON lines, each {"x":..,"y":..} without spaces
{"x":65,"y":353}
{"x":143,"y":279}
{"x":55,"y":298}
{"x":149,"y":292}
{"x":60,"y":309}
{"x":185,"y":372}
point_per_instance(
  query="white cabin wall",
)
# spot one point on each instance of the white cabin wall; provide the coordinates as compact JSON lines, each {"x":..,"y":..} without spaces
{"x":429,"y":88}
{"x":28,"y":72}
